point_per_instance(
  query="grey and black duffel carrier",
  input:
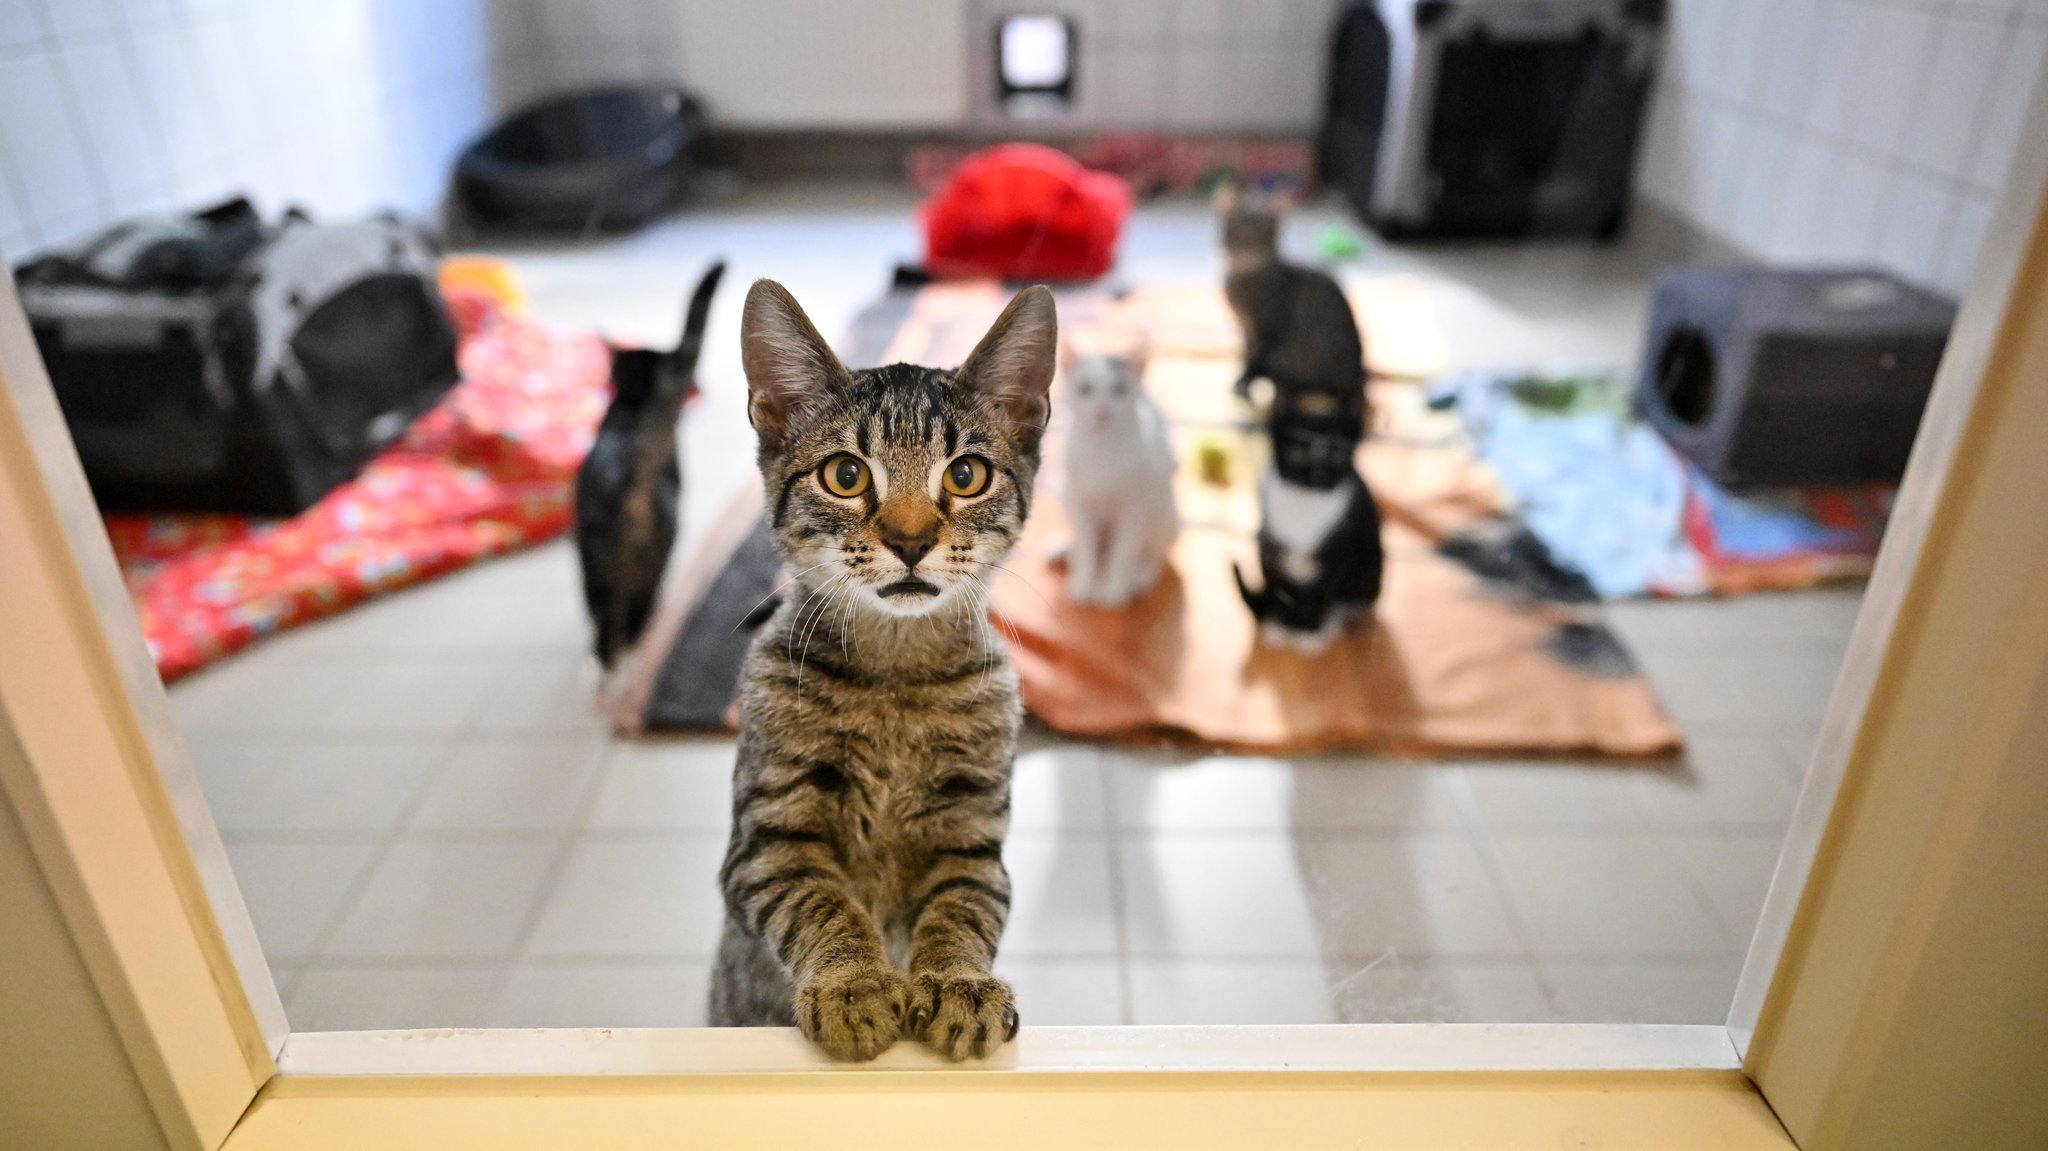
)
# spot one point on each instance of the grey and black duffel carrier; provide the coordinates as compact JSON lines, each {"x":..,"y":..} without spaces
{"x":212,"y":363}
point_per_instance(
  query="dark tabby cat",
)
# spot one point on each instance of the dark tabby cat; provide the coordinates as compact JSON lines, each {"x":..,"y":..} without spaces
{"x":629,"y":485}
{"x":1319,"y":527}
{"x":864,"y":882}
{"x":1298,"y":328}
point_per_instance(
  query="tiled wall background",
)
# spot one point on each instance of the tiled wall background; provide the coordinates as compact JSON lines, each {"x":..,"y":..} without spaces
{"x":1200,"y":65}
{"x":1799,"y":129}
{"x":112,"y":107}
{"x":771,"y":63}
{"x":1215,"y":65}
{"x":1845,"y":130}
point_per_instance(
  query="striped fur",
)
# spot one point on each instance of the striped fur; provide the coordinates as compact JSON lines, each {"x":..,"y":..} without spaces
{"x":864,"y":885}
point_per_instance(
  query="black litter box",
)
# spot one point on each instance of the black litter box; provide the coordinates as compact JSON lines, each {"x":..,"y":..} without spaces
{"x":1791,"y":377}
{"x":603,"y":159}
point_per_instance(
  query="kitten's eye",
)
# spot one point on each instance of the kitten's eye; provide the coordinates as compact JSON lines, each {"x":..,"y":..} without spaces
{"x":844,"y":476}
{"x":1086,"y":390}
{"x":967,"y":476}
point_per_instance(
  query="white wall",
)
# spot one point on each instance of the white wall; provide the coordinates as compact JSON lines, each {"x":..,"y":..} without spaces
{"x":1845,"y":130}
{"x":1253,"y":66}
{"x":1193,"y":65}
{"x":771,"y":63}
{"x":112,"y":107}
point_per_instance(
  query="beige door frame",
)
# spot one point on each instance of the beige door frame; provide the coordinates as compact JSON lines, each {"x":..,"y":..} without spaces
{"x":1893,"y":990}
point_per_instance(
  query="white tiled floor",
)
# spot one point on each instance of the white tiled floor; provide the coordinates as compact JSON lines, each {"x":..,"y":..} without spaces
{"x":433,"y":829}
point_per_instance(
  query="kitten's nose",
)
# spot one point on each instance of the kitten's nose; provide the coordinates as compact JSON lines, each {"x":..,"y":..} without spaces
{"x":910,"y":548}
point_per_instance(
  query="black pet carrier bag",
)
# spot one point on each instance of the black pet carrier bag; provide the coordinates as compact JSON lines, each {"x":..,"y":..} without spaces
{"x":209,"y":363}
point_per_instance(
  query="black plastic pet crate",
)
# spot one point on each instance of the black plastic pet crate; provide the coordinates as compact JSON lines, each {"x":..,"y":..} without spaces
{"x":606,"y":159}
{"x":1769,"y":377}
{"x":1473,"y":118}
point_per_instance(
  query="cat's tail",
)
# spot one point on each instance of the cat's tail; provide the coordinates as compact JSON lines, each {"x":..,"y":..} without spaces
{"x":685,"y":354}
{"x":1255,"y":600}
{"x":677,"y":380}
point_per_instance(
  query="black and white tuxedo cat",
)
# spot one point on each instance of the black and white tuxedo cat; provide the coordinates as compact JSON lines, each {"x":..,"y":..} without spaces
{"x":1319,"y":532}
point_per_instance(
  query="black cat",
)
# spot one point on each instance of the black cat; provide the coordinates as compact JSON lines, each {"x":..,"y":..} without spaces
{"x":628,"y":487}
{"x":1319,"y":530}
{"x":1299,"y":331}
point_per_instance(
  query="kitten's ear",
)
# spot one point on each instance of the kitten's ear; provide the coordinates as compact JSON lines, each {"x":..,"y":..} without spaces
{"x":789,"y":366}
{"x":1013,"y":363}
{"x":1140,"y":351}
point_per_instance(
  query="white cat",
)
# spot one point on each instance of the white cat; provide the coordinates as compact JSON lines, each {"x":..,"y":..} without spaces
{"x":1118,"y":483}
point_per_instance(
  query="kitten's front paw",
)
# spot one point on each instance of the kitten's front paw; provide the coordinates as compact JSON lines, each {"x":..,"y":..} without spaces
{"x":962,"y":1014}
{"x":854,"y":1012}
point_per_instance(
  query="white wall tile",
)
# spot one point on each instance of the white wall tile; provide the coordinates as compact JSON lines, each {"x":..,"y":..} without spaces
{"x":122,"y":106}
{"x":1808,"y":196}
{"x":1846,"y":228}
{"x":1910,"y":232}
{"x":1832,"y":105}
{"x":1792,"y":41}
{"x":1764,"y":166}
{"x":168,"y":77}
{"x":1844,"y":129}
{"x":115,"y":128}
{"x":152,"y":15}
{"x":1890,"y":71}
{"x":1726,"y":130}
{"x":1965,"y":240}
{"x":20,"y":31}
{"x":1193,"y":98}
{"x":1204,"y":20}
{"x":15,"y":229}
{"x":1945,"y":126}
{"x":74,"y":20}
{"x":2025,"y":61}
{"x":42,"y":144}
{"x":1991,"y":7}
{"x":1745,"y":55}
{"x":1694,"y":38}
{"x":237,"y":105}
{"x":1137,"y":78}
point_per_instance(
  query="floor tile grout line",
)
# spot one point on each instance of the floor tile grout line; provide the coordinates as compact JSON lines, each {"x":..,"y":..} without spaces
{"x":1478,"y":838}
{"x":316,"y":954}
{"x":551,"y":877}
{"x":1113,"y":833}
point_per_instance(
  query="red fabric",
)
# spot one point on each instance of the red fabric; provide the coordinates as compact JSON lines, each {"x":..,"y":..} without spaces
{"x":1152,"y":162}
{"x":489,"y":470}
{"x":1024,"y":212}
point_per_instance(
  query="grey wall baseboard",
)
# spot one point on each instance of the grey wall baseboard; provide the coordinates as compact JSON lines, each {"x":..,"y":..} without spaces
{"x":879,"y":154}
{"x":812,"y":155}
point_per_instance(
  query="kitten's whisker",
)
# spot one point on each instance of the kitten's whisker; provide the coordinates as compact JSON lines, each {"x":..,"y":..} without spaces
{"x":1018,"y":576}
{"x":804,"y":648}
{"x":744,"y":616}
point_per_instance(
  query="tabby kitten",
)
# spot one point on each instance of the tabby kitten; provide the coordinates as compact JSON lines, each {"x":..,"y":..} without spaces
{"x":1299,"y":331}
{"x":864,"y":883}
{"x":628,"y":487}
